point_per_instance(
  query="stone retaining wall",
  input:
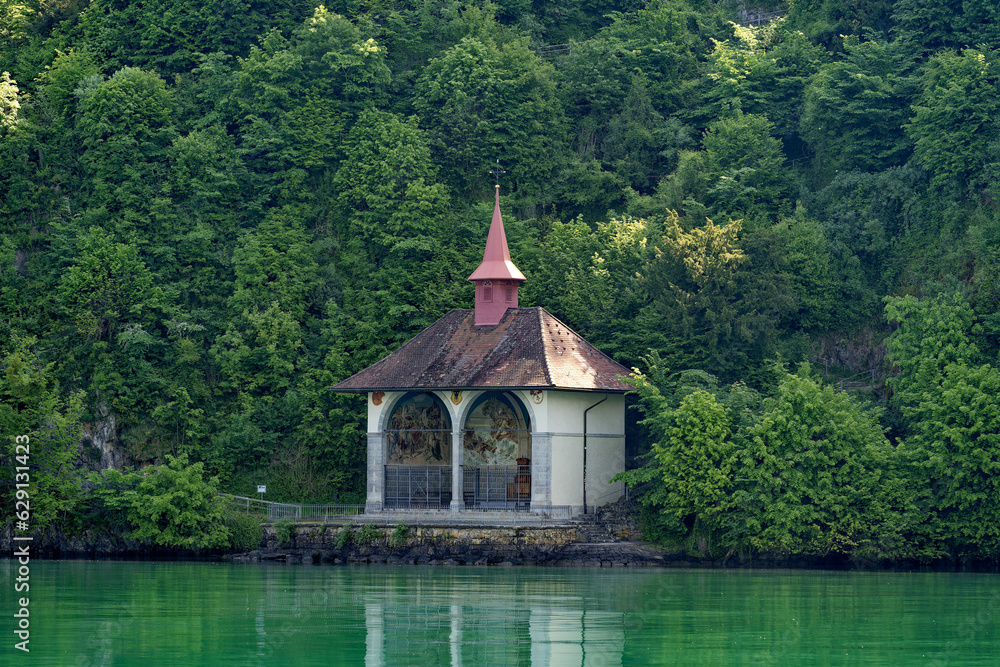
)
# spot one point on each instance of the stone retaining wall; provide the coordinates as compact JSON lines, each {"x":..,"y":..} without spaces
{"x":450,"y":545}
{"x":327,"y":536}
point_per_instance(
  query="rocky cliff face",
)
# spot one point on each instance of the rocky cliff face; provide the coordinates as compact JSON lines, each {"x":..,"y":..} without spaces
{"x":101,"y":447}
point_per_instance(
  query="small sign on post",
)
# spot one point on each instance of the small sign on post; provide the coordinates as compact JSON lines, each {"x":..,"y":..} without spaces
{"x":262,"y":489}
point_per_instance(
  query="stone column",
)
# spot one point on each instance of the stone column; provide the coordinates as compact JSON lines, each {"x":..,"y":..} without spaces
{"x":376,"y":473}
{"x":457,"y":500}
{"x":541,"y":473}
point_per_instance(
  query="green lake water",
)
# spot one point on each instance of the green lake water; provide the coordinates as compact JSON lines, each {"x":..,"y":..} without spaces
{"x":138,"y":613}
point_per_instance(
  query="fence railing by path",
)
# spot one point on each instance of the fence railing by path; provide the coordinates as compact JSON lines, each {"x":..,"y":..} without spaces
{"x":758,"y":19}
{"x":552,"y":50}
{"x":863,"y":381}
{"x":273,"y":511}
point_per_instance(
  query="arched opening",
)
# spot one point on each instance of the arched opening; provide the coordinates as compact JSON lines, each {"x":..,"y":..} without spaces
{"x":496,"y":459}
{"x":418,"y":453}
{"x":419,"y":431}
{"x":497,"y":430}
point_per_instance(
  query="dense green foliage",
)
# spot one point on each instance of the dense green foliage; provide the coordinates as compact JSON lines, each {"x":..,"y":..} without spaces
{"x":50,"y":425}
{"x":245,"y":531}
{"x":807,"y":471}
{"x":171,"y":505}
{"x":210,"y":214}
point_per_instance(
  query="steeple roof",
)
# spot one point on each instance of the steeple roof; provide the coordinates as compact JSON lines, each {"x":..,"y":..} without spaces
{"x":496,"y":264}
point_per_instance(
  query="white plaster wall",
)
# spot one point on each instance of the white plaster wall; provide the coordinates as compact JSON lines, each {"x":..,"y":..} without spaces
{"x":567,"y":470}
{"x":605,"y":459}
{"x":539,"y":411}
{"x":375,"y":411}
{"x":565,"y":412}
{"x":605,"y":455}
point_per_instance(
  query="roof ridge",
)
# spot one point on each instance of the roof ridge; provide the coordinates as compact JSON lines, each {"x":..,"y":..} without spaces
{"x":545,"y":348}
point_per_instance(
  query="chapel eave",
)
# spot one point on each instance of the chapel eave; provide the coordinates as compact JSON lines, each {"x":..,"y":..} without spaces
{"x":497,"y":270}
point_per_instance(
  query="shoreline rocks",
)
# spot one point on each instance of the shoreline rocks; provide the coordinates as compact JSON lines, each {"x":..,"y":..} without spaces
{"x":620,"y":554}
{"x":609,"y":540}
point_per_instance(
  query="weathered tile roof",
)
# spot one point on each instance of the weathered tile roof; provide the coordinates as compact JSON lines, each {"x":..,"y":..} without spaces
{"x":529,"y":348}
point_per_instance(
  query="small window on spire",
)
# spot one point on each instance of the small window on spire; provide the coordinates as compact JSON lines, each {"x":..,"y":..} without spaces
{"x":510,"y":292}
{"x":488,"y":291}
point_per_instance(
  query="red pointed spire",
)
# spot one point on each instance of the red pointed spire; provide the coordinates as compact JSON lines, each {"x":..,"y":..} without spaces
{"x":496,"y":264}
{"x":496,"y":279}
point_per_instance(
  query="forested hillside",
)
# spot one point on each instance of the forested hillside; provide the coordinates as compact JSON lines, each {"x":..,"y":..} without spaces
{"x":211,"y":212}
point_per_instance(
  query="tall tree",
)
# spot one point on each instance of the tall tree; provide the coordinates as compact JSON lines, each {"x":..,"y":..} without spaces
{"x":956,"y":122}
{"x":763,"y":71}
{"x":817,"y":476}
{"x":293,"y":100}
{"x":954,"y":24}
{"x":48,"y":428}
{"x":484,"y":100}
{"x":745,"y":166}
{"x":107,"y":287}
{"x":387,"y":191}
{"x":641,"y":144}
{"x":739,"y":174}
{"x":125,"y":130}
{"x":856,"y":108}
{"x":275,"y":264}
{"x":951,"y":405}
{"x":698,"y":308}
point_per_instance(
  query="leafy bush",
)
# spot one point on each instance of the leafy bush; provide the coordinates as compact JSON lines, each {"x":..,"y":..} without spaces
{"x":284,"y":529}
{"x":817,"y":476}
{"x":399,"y":535}
{"x":245,"y":531}
{"x":171,"y":505}
{"x":368,"y":534}
{"x":344,"y":537}
{"x":807,"y":472}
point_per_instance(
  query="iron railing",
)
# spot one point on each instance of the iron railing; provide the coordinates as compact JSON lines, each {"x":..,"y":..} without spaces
{"x":606,"y":498}
{"x":272,"y":511}
{"x":497,"y":487}
{"x":414,"y":486}
{"x":550,"y":50}
{"x":483,"y":487}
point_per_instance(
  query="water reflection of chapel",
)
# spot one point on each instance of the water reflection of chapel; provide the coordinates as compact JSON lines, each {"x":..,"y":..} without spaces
{"x":496,"y":408}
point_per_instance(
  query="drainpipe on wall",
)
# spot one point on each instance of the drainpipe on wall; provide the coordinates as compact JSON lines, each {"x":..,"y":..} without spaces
{"x":585,"y":451}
